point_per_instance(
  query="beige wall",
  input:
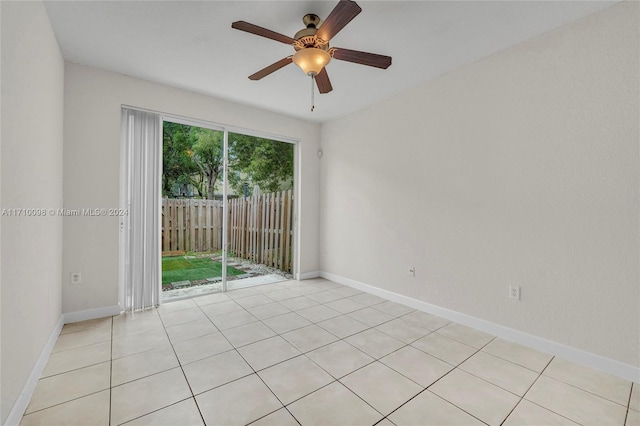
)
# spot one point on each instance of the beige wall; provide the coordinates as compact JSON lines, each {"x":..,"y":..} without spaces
{"x":520,"y":169}
{"x":93,"y":99}
{"x":31,"y":176}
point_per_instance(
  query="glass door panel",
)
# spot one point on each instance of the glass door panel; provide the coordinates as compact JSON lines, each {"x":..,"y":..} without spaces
{"x":260,"y":211}
{"x":192,"y":212}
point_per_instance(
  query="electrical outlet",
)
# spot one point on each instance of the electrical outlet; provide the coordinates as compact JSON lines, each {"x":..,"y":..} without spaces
{"x":411,"y":271}
{"x":514,"y":292}
{"x":76,"y":278}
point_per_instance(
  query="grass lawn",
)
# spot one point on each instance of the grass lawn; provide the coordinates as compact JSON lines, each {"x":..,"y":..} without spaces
{"x":178,"y":268}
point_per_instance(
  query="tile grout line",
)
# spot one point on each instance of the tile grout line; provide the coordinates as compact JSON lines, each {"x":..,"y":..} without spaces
{"x":437,"y":396}
{"x":337,"y":380}
{"x":584,"y":390}
{"x":341,"y":339}
{"x":285,"y":406}
{"x":159,"y":372}
{"x":537,"y":378}
{"x":487,"y":381}
{"x":234,"y":348}
{"x":532,"y":402}
{"x":514,"y":363}
{"x":111,"y":372}
{"x":74,"y":369}
{"x":193,"y":396}
{"x":302,"y":354}
{"x":250,"y":366}
{"x":155,"y":411}
{"x":456,"y":367}
{"x":626,"y":416}
{"x":64,"y":402}
{"x":223,"y":335}
{"x":69,"y":371}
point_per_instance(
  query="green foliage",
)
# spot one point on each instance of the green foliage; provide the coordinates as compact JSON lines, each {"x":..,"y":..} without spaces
{"x":177,"y":166}
{"x":207,"y":153}
{"x":193,"y":156}
{"x":190,"y":156}
{"x":262,"y":162}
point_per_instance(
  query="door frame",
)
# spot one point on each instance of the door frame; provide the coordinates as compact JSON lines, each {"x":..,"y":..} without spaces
{"x":226,"y":129}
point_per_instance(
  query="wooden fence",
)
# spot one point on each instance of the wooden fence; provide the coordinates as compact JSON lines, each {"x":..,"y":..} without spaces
{"x":260,"y":227}
{"x":191,"y":225}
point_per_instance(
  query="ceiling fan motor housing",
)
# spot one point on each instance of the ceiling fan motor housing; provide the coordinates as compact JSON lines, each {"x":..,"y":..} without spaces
{"x":311,"y":20}
{"x":306,"y":37}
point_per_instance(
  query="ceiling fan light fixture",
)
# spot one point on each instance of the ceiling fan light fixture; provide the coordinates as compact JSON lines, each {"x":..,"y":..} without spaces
{"x":311,"y":60}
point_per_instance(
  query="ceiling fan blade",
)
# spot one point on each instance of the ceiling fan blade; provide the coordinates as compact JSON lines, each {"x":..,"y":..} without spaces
{"x":271,"y":68}
{"x":263,"y":32}
{"x":340,"y":16}
{"x":323,"y":82}
{"x":362,"y":58}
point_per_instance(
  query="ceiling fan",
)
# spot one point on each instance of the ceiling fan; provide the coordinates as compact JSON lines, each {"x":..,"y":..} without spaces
{"x":312,"y":45}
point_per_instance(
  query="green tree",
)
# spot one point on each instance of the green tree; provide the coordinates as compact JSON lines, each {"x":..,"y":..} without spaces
{"x":177,"y":165}
{"x":206,"y":152}
{"x":262,"y":162}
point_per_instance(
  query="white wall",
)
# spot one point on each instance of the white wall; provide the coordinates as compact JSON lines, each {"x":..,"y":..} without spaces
{"x":519,"y":169}
{"x":31,"y":176}
{"x":93,"y":99}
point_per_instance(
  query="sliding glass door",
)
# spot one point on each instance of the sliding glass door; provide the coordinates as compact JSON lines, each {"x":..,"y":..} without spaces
{"x":227,"y":209}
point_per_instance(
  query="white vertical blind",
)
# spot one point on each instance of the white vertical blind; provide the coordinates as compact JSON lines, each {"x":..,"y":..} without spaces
{"x":140,"y":229}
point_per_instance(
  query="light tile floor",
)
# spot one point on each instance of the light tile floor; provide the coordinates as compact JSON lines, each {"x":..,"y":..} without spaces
{"x":311,"y":353}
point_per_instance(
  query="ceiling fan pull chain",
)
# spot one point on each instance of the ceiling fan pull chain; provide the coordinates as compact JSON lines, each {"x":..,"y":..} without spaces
{"x":312,"y":94}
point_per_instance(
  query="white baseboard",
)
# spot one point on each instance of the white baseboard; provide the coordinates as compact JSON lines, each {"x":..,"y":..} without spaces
{"x":89,"y":314}
{"x":20,"y":406}
{"x":607,"y":365}
{"x":309,"y":275}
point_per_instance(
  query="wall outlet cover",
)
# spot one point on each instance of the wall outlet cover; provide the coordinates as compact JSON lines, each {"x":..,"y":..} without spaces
{"x":514,"y":292}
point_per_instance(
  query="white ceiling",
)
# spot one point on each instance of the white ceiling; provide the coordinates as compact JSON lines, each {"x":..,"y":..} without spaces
{"x":191,"y":45}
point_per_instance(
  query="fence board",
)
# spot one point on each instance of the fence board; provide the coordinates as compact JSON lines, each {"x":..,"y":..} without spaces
{"x":264,"y":229}
{"x":192,"y":226}
{"x":260,"y":227}
{"x":281,"y":234}
{"x":288,"y":226}
{"x":270,"y":239}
